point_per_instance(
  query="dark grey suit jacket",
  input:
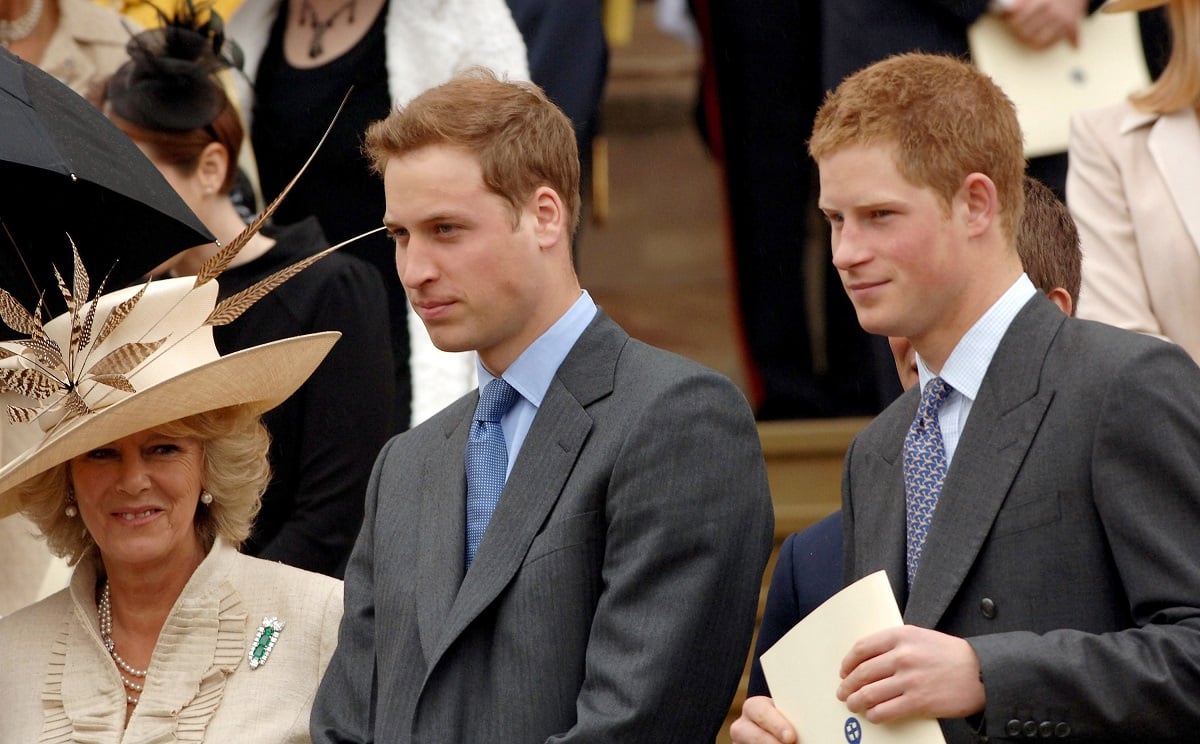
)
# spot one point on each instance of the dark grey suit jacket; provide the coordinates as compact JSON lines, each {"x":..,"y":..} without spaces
{"x":1063,"y":546}
{"x":613,"y":596}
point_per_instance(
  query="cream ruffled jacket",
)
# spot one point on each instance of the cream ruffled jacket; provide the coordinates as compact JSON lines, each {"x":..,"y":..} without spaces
{"x":428,"y":41}
{"x":58,"y":684}
{"x":88,"y":46}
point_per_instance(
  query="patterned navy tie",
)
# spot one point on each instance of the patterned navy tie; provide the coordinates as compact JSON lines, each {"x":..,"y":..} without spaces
{"x":487,"y":460}
{"x":924,"y":468}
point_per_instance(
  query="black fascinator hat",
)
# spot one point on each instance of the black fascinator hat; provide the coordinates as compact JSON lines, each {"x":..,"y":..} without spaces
{"x":168,"y":84}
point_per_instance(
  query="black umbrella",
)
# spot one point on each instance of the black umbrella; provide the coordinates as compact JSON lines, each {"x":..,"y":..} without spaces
{"x":65,"y":169}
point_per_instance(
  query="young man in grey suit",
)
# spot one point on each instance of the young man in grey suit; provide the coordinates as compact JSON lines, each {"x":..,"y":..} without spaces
{"x":610,"y":596}
{"x":1043,"y":550}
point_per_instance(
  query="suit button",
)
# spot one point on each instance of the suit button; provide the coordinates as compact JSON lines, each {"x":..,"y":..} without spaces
{"x":988,"y":608}
{"x":1062,"y":730}
{"x":1046,"y":730}
{"x":1013,"y":728}
{"x":1030,"y":729}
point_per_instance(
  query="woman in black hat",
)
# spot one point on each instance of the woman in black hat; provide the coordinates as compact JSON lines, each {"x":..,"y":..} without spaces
{"x":143,"y":462}
{"x":324,"y":440}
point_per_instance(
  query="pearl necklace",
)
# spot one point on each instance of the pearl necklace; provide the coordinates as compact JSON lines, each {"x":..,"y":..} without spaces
{"x":19,"y":28}
{"x":105,"y":610}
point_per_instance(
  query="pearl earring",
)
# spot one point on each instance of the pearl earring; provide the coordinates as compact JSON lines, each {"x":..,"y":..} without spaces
{"x":206,"y":498}
{"x":71,"y":511}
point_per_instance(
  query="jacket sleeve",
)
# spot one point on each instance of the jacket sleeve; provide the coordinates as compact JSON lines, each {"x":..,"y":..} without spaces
{"x":344,"y":709}
{"x":779,"y":615}
{"x":1141,"y":683}
{"x":1114,"y":288}
{"x":967,"y":11}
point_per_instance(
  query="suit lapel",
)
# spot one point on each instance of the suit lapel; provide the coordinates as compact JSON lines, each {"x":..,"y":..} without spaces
{"x":546,"y":460}
{"x":999,"y":432}
{"x":1174,"y":143}
{"x":443,"y":528}
{"x":879,"y":520}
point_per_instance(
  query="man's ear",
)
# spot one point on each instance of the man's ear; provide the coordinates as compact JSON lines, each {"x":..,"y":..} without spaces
{"x":1061,"y":297}
{"x":213,"y":167}
{"x":982,"y":204}
{"x":549,"y":215}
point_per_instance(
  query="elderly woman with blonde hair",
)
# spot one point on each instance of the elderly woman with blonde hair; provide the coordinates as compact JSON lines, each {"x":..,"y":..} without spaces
{"x":146,"y":472}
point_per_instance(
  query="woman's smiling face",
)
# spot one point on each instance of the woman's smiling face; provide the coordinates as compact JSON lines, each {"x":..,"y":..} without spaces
{"x":138,"y":497}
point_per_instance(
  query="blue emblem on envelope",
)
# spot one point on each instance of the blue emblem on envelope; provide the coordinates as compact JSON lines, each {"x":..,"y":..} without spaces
{"x":853,"y":731}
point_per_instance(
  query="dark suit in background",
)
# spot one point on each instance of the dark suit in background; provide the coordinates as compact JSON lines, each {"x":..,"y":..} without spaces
{"x":809,"y":571}
{"x":568,"y":58}
{"x":1063,"y":545}
{"x":857,"y":33}
{"x":760,"y":90}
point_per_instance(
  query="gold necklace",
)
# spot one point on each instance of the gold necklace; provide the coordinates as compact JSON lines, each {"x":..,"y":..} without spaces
{"x":20,"y":27}
{"x":308,"y":15}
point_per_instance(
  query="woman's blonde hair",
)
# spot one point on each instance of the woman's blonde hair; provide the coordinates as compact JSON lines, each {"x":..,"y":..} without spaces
{"x":1178,"y":87}
{"x":236,"y":473}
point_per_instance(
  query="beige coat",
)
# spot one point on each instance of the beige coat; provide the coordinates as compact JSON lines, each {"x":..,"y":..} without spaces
{"x":88,"y":46}
{"x":58,"y":684}
{"x":1132,"y":187}
{"x":28,"y":571}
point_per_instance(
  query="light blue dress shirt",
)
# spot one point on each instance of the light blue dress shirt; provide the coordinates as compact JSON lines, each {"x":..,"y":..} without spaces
{"x":969,"y":361}
{"x":533,"y":371}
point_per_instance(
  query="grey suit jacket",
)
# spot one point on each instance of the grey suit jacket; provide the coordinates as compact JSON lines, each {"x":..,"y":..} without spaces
{"x":613,"y":596}
{"x":1063,"y":546}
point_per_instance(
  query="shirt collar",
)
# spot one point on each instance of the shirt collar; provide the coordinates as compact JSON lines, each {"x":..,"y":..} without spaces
{"x":534,"y":369}
{"x":972,"y":355}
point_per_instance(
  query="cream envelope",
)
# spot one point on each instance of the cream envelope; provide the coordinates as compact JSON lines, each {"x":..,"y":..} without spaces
{"x":1048,"y":86}
{"x":802,"y":669}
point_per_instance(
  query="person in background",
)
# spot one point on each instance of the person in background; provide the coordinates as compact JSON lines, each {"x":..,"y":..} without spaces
{"x":1132,"y":189}
{"x":568,"y":58}
{"x":573,"y":554}
{"x":760,"y":87}
{"x":147,"y":476}
{"x":1033,"y":501}
{"x":302,"y":57}
{"x":325,"y":437}
{"x":77,"y":41}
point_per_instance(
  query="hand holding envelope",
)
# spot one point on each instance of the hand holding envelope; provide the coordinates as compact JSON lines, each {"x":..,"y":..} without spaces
{"x":1047,"y":86}
{"x":804,"y":669}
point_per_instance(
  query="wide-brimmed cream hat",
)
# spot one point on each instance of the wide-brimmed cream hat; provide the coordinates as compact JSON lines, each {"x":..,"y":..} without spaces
{"x":1120,"y":6}
{"x":126,"y":362}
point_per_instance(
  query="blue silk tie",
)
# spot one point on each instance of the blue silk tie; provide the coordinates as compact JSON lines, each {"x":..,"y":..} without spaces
{"x":486,"y":460}
{"x":924,"y":469}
